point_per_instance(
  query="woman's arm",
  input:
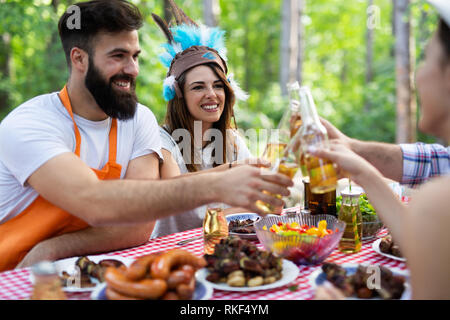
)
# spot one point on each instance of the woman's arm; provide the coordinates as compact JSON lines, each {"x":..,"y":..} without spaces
{"x":420,"y":228}
{"x":428,"y":247}
{"x":389,"y":207}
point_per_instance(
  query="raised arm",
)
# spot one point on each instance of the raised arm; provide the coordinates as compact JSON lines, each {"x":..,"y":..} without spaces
{"x":78,"y":191}
{"x":387,"y":158}
{"x":100,"y":239}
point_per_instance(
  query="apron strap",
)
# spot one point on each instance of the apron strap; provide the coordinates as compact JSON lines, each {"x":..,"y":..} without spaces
{"x":64,"y":96}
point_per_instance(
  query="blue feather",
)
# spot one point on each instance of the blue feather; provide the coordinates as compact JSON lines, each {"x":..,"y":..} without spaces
{"x":168,"y":93}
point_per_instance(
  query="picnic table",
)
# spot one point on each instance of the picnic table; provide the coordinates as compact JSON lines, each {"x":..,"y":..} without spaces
{"x":16,"y":284}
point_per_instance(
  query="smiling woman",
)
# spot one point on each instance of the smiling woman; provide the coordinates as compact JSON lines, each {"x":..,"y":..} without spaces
{"x":197,"y":134}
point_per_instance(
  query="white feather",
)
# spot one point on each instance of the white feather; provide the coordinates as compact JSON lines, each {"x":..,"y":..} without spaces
{"x":204,"y":34}
{"x":238,"y":92}
{"x":169,"y":81}
{"x":177,"y":47}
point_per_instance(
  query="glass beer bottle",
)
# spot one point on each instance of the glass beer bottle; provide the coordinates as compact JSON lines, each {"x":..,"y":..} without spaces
{"x":321,"y":172}
{"x":319,"y":203}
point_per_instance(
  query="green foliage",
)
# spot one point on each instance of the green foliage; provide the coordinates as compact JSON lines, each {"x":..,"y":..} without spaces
{"x":334,"y":60}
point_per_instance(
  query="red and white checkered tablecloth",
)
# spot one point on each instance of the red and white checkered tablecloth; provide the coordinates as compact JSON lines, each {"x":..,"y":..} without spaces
{"x":16,"y":284}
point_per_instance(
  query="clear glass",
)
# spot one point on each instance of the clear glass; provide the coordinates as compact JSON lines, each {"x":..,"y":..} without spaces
{"x":47,"y":284}
{"x":287,"y":127}
{"x":281,"y":150}
{"x":351,"y":215}
{"x":321,"y":172}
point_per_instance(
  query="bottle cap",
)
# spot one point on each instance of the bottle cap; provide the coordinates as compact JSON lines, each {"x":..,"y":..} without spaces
{"x":356,"y":191}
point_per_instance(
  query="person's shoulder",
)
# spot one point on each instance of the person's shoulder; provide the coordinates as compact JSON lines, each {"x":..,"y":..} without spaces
{"x":166,"y":138}
{"x":144,"y":110}
{"x":39,"y":109}
{"x":434,"y":197}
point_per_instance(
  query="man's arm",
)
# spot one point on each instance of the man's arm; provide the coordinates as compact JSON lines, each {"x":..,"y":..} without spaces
{"x":387,"y":158}
{"x":100,"y":239}
{"x":69,"y":183}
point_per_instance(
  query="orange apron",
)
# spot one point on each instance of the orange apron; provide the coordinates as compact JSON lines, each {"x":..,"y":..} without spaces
{"x":42,"y":220}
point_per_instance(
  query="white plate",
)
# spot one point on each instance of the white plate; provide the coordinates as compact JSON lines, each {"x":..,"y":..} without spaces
{"x":243,"y":216}
{"x":376,"y":248}
{"x":203,"y":291}
{"x":318,"y":277}
{"x":289,"y":274}
{"x":68,"y":265}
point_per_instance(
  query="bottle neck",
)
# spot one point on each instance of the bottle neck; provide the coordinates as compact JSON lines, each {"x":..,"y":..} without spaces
{"x":307,"y":107}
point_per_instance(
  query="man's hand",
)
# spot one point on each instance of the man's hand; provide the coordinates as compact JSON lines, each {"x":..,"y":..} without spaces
{"x":243,"y":186}
{"x":335,"y":134}
{"x":256,"y":162}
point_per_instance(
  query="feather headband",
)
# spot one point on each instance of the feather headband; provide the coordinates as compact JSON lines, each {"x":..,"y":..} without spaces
{"x":190,"y":45}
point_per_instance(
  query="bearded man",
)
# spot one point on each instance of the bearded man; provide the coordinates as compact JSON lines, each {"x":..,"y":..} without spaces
{"x":79,"y":168}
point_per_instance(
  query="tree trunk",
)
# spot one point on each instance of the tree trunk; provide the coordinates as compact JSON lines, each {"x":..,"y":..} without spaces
{"x":369,"y":49}
{"x":5,"y":63}
{"x":406,"y":105}
{"x":246,"y":46}
{"x":289,"y":43}
{"x":211,"y":11}
{"x":300,"y":34}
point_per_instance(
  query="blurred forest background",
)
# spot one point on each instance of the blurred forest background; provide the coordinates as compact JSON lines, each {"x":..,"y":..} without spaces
{"x":358,"y":57}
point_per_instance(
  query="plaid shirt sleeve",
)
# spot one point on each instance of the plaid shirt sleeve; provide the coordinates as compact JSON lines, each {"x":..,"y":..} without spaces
{"x":423,"y":161}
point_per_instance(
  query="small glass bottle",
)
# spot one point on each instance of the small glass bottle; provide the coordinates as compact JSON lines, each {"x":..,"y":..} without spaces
{"x":47,"y":284}
{"x":215,"y":227}
{"x":321,"y":172}
{"x":351,"y":215}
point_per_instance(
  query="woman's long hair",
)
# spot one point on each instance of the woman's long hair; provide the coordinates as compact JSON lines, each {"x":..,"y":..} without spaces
{"x":178,"y":117}
{"x":444,"y":38}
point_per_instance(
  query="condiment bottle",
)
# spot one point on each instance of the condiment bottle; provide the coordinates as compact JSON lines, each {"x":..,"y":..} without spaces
{"x":215,"y":227}
{"x":321,"y":172}
{"x":351,"y":215}
{"x":47,"y":284}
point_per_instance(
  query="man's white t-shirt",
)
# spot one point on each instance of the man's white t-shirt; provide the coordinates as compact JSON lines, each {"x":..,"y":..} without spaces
{"x":41,"y":129}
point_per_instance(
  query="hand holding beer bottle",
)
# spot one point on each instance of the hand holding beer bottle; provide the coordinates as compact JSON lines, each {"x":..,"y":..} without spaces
{"x":321,"y":172}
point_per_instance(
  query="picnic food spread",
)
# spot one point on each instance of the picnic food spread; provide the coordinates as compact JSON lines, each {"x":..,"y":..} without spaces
{"x":168,"y":276}
{"x":242,"y":226}
{"x":388,"y":246}
{"x":294,"y":228}
{"x":89,"y":270}
{"x":391,"y":285}
{"x":239,"y":263}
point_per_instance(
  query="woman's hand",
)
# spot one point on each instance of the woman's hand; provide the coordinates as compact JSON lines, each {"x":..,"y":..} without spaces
{"x":348,"y":162}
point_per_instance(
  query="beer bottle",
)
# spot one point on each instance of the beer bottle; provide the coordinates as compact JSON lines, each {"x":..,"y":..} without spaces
{"x":321,"y":172}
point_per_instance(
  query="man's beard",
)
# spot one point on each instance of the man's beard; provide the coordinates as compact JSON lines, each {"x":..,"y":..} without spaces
{"x":116,"y":104}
